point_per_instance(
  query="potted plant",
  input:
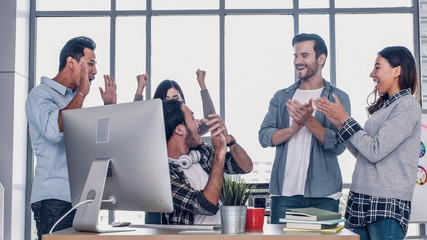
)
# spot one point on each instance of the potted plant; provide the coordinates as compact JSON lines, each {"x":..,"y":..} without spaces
{"x":234,"y":195}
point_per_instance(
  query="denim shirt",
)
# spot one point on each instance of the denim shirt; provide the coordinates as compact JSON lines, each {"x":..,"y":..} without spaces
{"x":324,"y":174}
{"x":42,"y":111}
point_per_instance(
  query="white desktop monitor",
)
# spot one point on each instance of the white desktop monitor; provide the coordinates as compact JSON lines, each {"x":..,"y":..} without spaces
{"x":117,"y":150}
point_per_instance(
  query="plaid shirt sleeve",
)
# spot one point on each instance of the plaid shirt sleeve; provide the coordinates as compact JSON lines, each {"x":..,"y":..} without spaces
{"x":208,"y":153}
{"x":231,"y":166}
{"x":349,"y":128}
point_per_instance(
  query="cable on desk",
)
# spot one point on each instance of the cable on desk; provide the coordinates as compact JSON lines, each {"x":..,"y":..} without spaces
{"x":59,"y":220}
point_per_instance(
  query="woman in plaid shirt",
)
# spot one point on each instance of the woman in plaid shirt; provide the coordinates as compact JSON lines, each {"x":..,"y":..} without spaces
{"x":386,"y":149}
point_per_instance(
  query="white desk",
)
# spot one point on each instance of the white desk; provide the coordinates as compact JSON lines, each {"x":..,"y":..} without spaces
{"x":270,"y":232}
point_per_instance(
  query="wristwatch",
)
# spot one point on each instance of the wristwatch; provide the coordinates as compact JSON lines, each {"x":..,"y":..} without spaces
{"x":232,"y":142}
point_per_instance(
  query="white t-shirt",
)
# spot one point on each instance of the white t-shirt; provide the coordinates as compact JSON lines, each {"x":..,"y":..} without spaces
{"x":198,"y":179}
{"x":299,"y":147}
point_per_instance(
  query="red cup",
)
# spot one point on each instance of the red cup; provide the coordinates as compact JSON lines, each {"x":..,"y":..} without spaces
{"x":255,"y":218}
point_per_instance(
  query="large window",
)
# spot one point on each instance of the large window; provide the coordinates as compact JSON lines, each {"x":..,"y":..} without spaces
{"x":181,"y":45}
{"x":258,"y":62}
{"x":244,"y":45}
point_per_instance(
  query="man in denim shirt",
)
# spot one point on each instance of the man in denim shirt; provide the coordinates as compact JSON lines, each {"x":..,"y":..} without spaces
{"x":50,"y":196}
{"x":305,"y":172}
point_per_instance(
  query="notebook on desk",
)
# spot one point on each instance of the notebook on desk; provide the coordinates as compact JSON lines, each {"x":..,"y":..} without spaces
{"x":178,"y":227}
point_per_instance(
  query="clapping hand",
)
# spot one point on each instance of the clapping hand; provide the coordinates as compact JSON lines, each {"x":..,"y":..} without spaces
{"x":335,"y":112}
{"x":301,"y":113}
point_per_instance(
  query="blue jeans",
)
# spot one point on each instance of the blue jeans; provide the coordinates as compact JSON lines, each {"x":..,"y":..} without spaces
{"x":47,"y":212}
{"x":384,"y":229}
{"x":279,"y":204}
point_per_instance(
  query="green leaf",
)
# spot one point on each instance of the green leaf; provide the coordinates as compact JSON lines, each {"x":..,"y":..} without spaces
{"x":235,"y":193}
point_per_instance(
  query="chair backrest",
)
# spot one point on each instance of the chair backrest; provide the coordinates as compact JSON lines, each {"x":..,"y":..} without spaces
{"x":155,"y":218}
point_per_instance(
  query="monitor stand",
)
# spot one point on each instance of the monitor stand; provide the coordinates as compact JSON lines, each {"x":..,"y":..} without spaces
{"x":86,"y":218}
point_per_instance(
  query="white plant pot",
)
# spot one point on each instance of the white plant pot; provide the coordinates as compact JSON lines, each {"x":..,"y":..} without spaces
{"x":233,"y":219}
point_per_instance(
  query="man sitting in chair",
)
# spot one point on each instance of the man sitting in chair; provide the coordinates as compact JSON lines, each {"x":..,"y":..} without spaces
{"x":196,"y":168}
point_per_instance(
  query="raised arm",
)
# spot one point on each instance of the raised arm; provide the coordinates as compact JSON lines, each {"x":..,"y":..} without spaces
{"x":142,"y":80}
{"x":82,"y":92}
{"x":213,"y":187}
{"x":201,"y":79}
{"x":239,"y":154}
{"x":208,"y":106}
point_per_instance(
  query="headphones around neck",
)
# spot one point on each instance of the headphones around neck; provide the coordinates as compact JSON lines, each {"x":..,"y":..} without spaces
{"x":185,"y":161}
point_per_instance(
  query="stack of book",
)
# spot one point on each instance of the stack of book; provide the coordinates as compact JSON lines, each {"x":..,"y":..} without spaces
{"x":312,"y":219}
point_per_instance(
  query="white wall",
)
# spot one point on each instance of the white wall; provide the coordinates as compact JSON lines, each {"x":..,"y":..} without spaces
{"x":14,"y":42}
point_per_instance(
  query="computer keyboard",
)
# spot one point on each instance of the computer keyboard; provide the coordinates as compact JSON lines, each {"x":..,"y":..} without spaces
{"x":179,"y":227}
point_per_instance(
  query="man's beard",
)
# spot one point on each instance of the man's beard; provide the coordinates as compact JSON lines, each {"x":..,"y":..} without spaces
{"x":311,"y":71}
{"x":190,"y":140}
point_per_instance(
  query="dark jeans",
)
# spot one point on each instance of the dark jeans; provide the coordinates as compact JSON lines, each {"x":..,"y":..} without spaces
{"x":384,"y":229}
{"x":47,"y":212}
{"x":279,"y":204}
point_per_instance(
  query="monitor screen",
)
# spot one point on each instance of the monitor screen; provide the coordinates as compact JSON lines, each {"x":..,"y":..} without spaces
{"x":118,"y":151}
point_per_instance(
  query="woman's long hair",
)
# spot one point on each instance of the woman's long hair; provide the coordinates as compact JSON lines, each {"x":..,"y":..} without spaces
{"x":397,"y":56}
{"x":164,"y":86}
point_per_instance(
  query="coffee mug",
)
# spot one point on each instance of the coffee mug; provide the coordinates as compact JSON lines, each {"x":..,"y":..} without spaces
{"x":260,"y":202}
{"x":255,"y":218}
